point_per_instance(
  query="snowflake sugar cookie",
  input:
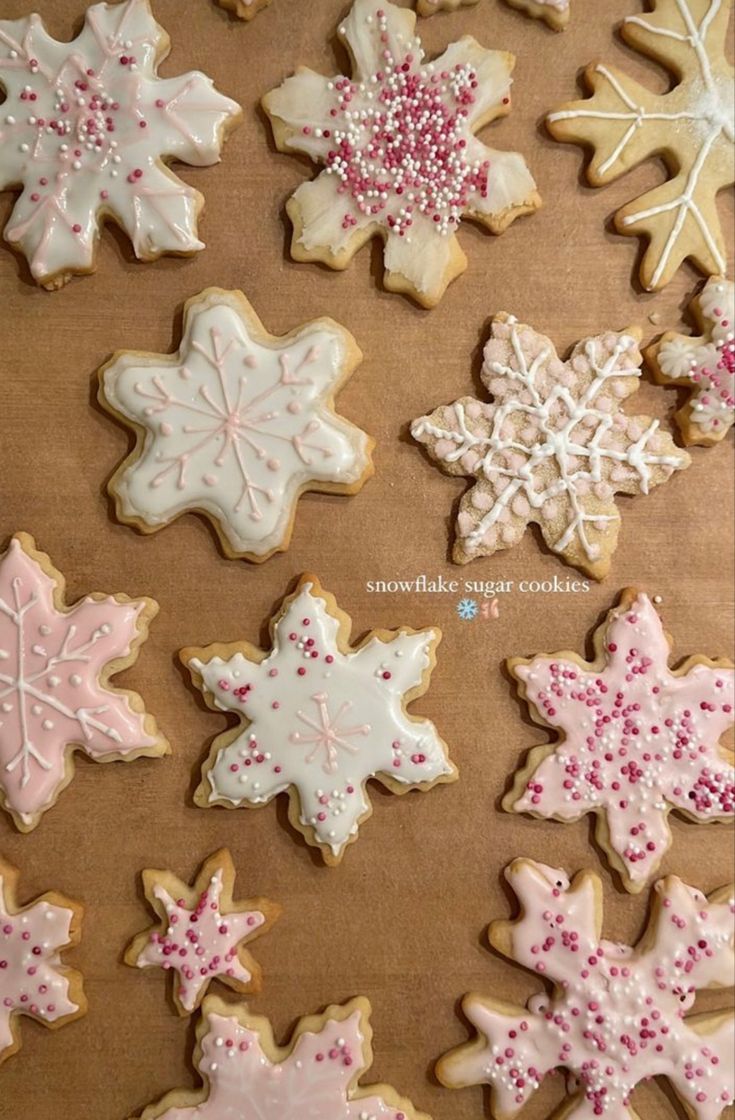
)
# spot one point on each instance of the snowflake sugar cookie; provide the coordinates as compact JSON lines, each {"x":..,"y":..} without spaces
{"x":554,"y":448}
{"x":693,"y":125}
{"x":33,"y":980}
{"x":555,"y":12}
{"x":401,"y":159}
{"x":315,"y":1077}
{"x":616,"y":1015}
{"x":704,"y":365}
{"x":55,"y":696}
{"x":202,"y":932}
{"x":236,"y":425}
{"x":86,"y":129}
{"x":244,"y":9}
{"x":637,"y":739}
{"x":318,"y":718}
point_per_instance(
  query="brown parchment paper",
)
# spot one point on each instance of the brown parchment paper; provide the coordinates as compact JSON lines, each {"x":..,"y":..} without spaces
{"x":403,"y":920}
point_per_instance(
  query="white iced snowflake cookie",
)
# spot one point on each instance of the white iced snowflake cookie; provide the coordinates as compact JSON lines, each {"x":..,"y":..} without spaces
{"x":244,"y":9}
{"x":401,"y":159}
{"x":705,"y":365}
{"x":555,"y":12}
{"x":87,"y":129}
{"x":319,"y":718}
{"x":236,"y":425}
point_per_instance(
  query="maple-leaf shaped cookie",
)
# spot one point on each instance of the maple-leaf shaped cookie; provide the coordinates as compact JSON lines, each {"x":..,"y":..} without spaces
{"x":692,"y":126}
{"x":638,"y":738}
{"x":33,"y":980}
{"x":319,"y":718}
{"x":616,"y":1015}
{"x":202,"y":932}
{"x":55,"y":696}
{"x":236,"y":425}
{"x":314,"y":1078}
{"x":704,"y":365}
{"x":401,"y":159}
{"x":86,"y":129}
{"x":555,"y":12}
{"x":553,"y":448}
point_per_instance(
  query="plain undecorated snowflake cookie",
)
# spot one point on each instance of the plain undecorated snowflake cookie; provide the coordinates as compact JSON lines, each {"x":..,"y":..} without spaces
{"x":319,"y":718}
{"x":87,"y":129}
{"x":704,"y":365}
{"x":244,"y":9}
{"x":315,"y":1077}
{"x":202,"y":933}
{"x":692,"y":126}
{"x":401,"y":159}
{"x":615,"y":1016}
{"x":33,"y":979}
{"x":636,"y":739}
{"x":553,"y":448}
{"x":237,"y":425}
{"x":555,"y":12}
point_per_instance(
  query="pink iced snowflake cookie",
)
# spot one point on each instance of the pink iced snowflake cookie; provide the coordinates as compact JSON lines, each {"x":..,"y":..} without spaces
{"x":553,"y":448}
{"x":237,"y":425}
{"x":614,"y":1015}
{"x":202,"y":933}
{"x":244,"y":9}
{"x":315,"y":1077}
{"x":704,"y":365}
{"x":636,"y":738}
{"x":33,"y":979}
{"x":87,"y":129}
{"x":401,"y":159}
{"x":319,"y":718}
{"x":55,"y":695}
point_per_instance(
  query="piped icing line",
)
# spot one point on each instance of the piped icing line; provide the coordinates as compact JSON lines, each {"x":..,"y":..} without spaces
{"x":244,"y":9}
{"x":319,"y":718}
{"x":554,"y":447}
{"x":87,"y":129}
{"x":236,"y":425}
{"x":634,"y":738}
{"x":400,"y":157}
{"x":705,"y":365}
{"x":55,"y":695}
{"x":615,"y":1015}
{"x":34,"y":981}
{"x":694,"y":123}
{"x":202,"y":933}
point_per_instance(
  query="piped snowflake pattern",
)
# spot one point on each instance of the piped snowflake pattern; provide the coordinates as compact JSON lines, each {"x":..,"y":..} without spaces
{"x":553,"y":448}
{"x":617,"y":1015}
{"x":54,"y":697}
{"x":639,"y":739}
{"x":318,"y":718}
{"x":693,"y":124}
{"x":401,"y":159}
{"x":85,"y":128}
{"x":555,"y":12}
{"x":314,"y":1078}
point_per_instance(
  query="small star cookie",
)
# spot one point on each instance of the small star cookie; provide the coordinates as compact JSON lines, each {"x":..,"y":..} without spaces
{"x":244,"y":9}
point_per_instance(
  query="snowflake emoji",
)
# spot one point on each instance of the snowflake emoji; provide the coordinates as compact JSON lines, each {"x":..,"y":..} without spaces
{"x":202,"y":932}
{"x":33,"y":980}
{"x":467,"y":609}
{"x":693,"y":125}
{"x":55,"y":662}
{"x":616,"y":1015}
{"x":704,"y":365}
{"x":400,"y":155}
{"x":319,"y":718}
{"x":87,"y":127}
{"x":554,"y":448}
{"x":555,"y":12}
{"x":314,"y":1078}
{"x":237,"y":425}
{"x":638,"y":739}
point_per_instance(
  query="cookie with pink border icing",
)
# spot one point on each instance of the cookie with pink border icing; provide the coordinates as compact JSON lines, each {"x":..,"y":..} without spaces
{"x":635,"y":738}
{"x":705,"y":365}
{"x":315,"y":1077}
{"x":613,"y":1015}
{"x":87,"y":129}
{"x":318,"y":718}
{"x":202,"y":933}
{"x":56,"y":662}
{"x":34,"y":981}
{"x":400,"y":157}
{"x":244,"y":9}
